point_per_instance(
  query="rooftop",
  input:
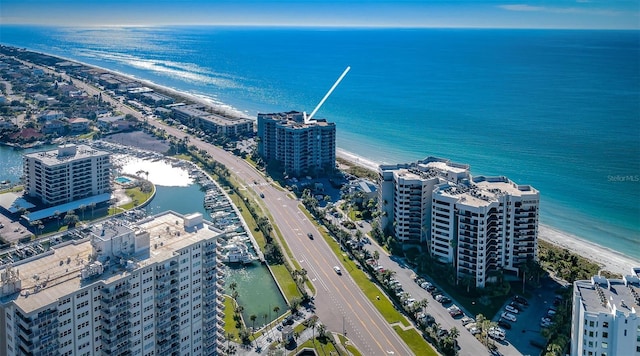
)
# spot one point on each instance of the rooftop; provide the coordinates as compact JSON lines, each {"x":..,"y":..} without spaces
{"x":57,"y":273}
{"x":602,"y":295}
{"x":65,"y":153}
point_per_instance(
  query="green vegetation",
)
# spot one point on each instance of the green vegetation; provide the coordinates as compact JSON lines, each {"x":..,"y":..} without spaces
{"x":322,"y":346}
{"x":15,"y":189}
{"x":415,"y":342}
{"x":347,"y":345}
{"x":566,"y":264}
{"x":357,"y":170}
{"x":138,"y":197}
{"x":230,"y":326}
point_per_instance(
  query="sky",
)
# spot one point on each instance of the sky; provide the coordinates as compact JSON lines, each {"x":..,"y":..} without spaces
{"x":570,"y":14}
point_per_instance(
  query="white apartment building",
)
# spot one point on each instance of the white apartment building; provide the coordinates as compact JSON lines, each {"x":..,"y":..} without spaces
{"x":605,"y":318}
{"x":145,"y":289}
{"x":70,"y":172}
{"x":478,"y":224}
{"x":301,"y":148}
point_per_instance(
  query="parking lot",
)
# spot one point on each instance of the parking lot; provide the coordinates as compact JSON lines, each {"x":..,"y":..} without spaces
{"x":527,"y":327}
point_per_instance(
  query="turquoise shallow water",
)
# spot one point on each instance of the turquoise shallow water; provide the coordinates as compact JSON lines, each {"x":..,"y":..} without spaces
{"x":556,"y":109}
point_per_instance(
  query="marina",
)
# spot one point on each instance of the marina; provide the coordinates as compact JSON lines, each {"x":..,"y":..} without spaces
{"x":258,"y":292}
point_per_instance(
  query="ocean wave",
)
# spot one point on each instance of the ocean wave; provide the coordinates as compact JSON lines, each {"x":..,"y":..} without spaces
{"x":187,"y":72}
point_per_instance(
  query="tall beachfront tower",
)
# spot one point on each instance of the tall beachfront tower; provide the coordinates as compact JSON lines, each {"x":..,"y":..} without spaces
{"x":70,"y":172}
{"x":152,"y":288}
{"x":301,"y":148}
{"x":605,"y":317}
{"x":478,"y":224}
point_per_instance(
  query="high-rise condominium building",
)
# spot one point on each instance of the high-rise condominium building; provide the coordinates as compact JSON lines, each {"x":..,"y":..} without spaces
{"x":145,"y":289}
{"x":70,"y":172}
{"x":302,"y":148}
{"x":605,"y":319}
{"x":478,"y":224}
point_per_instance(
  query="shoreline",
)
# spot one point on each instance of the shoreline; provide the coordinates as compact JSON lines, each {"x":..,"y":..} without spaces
{"x":607,"y":258}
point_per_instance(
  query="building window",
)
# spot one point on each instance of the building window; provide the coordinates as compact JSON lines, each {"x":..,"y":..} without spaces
{"x":605,"y":324}
{"x":604,"y":345}
{"x":605,"y":334}
{"x":591,"y":324}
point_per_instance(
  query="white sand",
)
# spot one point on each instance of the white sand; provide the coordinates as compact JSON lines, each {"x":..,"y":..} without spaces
{"x":610,"y":260}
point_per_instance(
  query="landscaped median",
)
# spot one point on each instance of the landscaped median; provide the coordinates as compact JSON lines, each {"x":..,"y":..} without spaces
{"x":411,"y":336}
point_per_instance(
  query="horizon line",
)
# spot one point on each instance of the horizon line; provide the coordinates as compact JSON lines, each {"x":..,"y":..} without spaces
{"x":321,"y":26}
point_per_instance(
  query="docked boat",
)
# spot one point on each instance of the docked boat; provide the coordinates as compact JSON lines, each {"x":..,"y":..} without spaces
{"x":236,"y":251}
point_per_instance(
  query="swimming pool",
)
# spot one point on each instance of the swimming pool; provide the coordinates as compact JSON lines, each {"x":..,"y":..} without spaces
{"x":123,"y":180}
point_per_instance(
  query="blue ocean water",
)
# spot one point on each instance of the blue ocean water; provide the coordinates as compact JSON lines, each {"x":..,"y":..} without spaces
{"x":557,"y":109}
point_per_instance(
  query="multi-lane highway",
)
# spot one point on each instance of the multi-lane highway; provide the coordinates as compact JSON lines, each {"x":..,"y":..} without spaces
{"x":339,"y":302}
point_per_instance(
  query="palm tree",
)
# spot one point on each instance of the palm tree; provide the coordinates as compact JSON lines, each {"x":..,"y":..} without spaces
{"x":57,"y":215}
{"x":264,"y":320}
{"x":93,"y":206}
{"x":321,"y":330}
{"x":312,"y":324}
{"x":253,"y":318}
{"x":82,"y":207}
{"x":229,"y":337}
{"x":454,"y":332}
{"x":376,"y":255}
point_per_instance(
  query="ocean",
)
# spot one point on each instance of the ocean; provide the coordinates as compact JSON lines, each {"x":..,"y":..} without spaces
{"x":556,"y":109}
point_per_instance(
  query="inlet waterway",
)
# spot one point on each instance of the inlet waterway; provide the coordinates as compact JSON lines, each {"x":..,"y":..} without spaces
{"x":257,"y":291}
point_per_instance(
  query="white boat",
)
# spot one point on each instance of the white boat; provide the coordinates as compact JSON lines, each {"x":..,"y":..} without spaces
{"x":236,"y":251}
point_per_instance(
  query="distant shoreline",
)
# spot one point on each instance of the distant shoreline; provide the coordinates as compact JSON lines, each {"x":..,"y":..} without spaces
{"x":609,"y":259}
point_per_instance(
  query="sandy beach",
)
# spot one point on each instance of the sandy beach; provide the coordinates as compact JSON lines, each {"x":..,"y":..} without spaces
{"x":609,"y":260}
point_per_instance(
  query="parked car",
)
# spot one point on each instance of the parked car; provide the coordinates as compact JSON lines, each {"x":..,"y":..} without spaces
{"x":545,"y":324}
{"x":517,"y":305}
{"x":445,"y":300}
{"x":504,"y":324}
{"x":495,"y":334}
{"x":466,"y":320}
{"x":509,"y":316}
{"x":511,"y":309}
{"x":438,"y":297}
{"x":430,"y":287}
{"x":545,"y":319}
{"x":520,"y":300}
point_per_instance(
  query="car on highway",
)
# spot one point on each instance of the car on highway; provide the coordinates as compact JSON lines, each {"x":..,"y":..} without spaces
{"x":511,"y":309}
{"x":310,"y":235}
{"x":509,"y":316}
{"x":261,"y":195}
{"x":337,"y":269}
